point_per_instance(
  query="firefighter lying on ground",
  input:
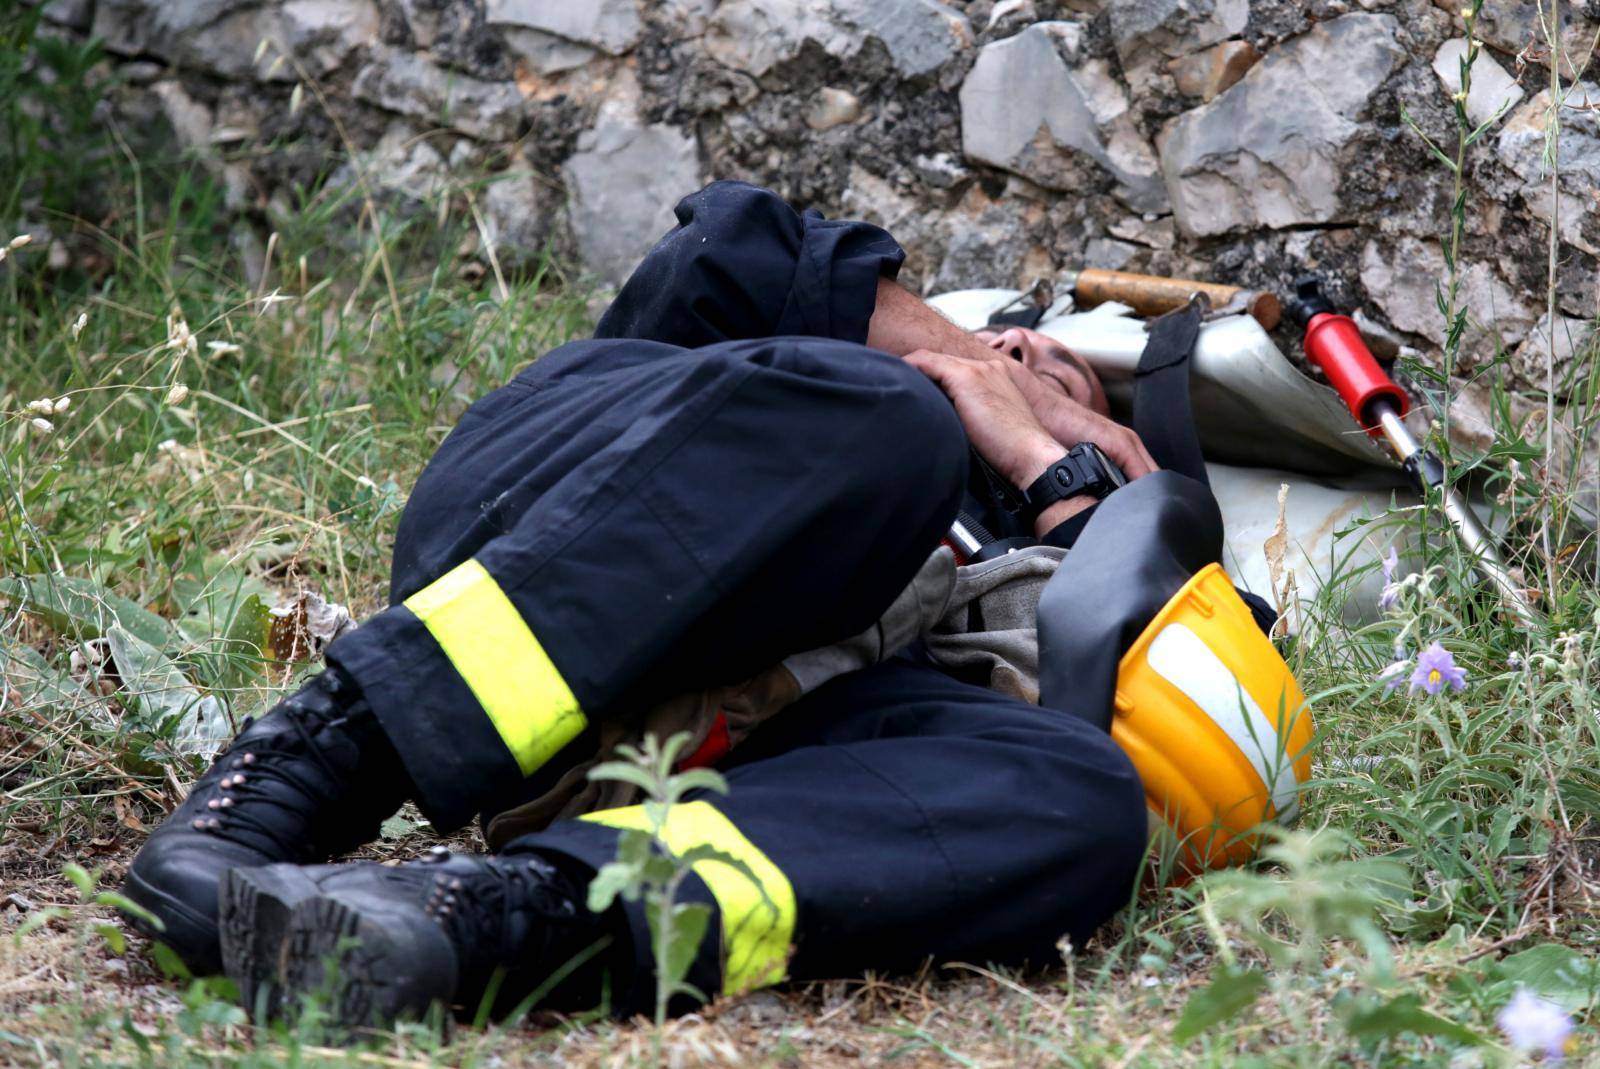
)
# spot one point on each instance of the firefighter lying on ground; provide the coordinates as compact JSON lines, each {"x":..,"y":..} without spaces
{"x":723,"y":514}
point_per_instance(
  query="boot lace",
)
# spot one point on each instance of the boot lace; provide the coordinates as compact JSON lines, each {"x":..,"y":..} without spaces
{"x":253,"y":782}
{"x":493,"y":915}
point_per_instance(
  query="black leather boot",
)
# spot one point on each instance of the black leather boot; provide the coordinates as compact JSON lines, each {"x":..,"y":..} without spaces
{"x":382,"y":943}
{"x":312,"y":778}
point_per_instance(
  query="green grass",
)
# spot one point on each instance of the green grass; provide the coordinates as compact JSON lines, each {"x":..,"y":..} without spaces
{"x":235,"y":435}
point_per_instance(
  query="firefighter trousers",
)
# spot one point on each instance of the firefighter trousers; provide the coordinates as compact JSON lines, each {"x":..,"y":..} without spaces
{"x":682,"y":506}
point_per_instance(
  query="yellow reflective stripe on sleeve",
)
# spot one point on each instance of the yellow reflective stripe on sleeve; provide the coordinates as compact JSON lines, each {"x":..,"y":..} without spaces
{"x":494,"y":650}
{"x":756,"y":932}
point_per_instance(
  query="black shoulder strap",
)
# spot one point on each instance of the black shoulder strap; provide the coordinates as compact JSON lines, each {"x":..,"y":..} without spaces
{"x":1162,"y":415}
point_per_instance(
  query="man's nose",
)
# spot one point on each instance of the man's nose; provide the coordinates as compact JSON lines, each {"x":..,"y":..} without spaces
{"x":1012,"y":342}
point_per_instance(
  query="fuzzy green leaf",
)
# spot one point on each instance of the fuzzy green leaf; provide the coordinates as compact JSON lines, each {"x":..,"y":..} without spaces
{"x":699,"y":779}
{"x":26,"y":671}
{"x":687,"y":929}
{"x":115,"y":940}
{"x":615,"y":879}
{"x":623,"y":772}
{"x":83,"y":608}
{"x":396,"y":827}
{"x":1555,"y":972}
{"x":167,"y":960}
{"x":1230,"y":992}
{"x":162,"y":697}
{"x":81,"y":879}
{"x":1403,"y":1014}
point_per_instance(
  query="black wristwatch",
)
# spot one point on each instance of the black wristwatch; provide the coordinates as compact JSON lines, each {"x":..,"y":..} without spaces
{"x":1084,"y":470}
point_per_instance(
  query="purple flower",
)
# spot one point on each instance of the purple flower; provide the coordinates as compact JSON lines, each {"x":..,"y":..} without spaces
{"x":1394,"y":672}
{"x":1532,"y":1023}
{"x":1391,"y":589}
{"x":1435,"y":670}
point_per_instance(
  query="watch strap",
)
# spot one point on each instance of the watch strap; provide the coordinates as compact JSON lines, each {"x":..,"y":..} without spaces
{"x":1059,"y":481}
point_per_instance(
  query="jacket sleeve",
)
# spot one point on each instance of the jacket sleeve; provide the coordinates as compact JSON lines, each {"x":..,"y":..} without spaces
{"x":742,"y":263}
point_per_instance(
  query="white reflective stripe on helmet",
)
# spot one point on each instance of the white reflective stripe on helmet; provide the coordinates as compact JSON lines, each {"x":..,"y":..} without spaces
{"x":1180,"y":657}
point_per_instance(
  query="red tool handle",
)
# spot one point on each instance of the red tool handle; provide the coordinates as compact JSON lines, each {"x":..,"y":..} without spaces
{"x":1333,"y":343}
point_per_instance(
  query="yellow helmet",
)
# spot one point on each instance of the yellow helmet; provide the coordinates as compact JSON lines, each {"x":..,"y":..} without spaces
{"x":1214,"y":721}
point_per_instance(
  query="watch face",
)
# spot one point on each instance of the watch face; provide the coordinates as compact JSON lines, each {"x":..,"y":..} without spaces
{"x":1113,"y":472}
{"x":1109,"y":473}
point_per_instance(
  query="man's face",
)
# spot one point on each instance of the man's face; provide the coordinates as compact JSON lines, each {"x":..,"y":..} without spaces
{"x":1054,"y":363}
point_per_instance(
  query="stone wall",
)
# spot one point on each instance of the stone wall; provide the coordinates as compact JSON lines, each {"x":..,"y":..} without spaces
{"x":1246,"y":141}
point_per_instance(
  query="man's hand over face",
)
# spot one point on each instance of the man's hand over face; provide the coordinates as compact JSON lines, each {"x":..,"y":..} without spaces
{"x":999,"y":421}
{"x":1066,"y":396}
{"x":1070,"y":423}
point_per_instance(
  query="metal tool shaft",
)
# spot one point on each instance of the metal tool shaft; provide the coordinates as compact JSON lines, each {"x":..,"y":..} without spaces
{"x":1474,"y":537}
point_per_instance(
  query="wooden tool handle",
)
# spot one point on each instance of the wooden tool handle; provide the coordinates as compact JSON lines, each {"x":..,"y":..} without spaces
{"x":1150,"y":295}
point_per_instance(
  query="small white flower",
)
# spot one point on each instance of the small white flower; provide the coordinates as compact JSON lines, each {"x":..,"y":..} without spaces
{"x":1533,"y":1023}
{"x":42,"y":407}
{"x":167,"y":446}
{"x":20,"y":240}
{"x":362,"y":480}
{"x":222,"y":348}
{"x":62,"y":404}
{"x":42,"y":425}
{"x":178,"y":394}
{"x":78,"y":324}
{"x":179,"y":336}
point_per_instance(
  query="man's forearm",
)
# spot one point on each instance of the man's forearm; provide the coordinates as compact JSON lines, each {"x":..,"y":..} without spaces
{"x":903,"y":323}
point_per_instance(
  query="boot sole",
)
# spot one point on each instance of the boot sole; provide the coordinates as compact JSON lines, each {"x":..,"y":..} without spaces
{"x":253,"y":918}
{"x":373,"y":962}
{"x":191,"y":935}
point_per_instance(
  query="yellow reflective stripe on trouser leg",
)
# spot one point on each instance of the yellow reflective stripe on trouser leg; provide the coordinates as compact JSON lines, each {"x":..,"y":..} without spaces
{"x":495,"y":651}
{"x":756,"y":930}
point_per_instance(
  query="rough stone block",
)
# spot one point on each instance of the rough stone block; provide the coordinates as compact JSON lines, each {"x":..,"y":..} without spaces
{"x":1269,"y":151}
{"x":1206,"y":74}
{"x":1521,"y":147}
{"x":405,"y":83}
{"x":546,"y":53}
{"x":322,"y":34}
{"x":755,"y":36}
{"x":1025,"y":109}
{"x":1493,"y":90}
{"x":622,"y":184}
{"x":1559,"y":346}
{"x":1401,"y":279}
{"x":610,"y":25}
{"x":1174,"y":27}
